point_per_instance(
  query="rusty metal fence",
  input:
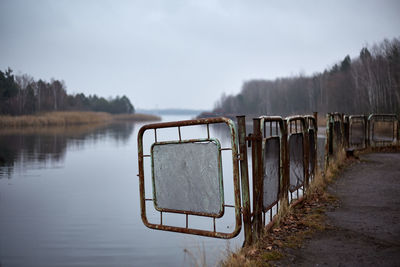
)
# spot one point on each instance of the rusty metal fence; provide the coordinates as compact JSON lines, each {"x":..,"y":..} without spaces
{"x":382,"y":130}
{"x":274,"y":134}
{"x":298,"y":155}
{"x":357,"y":136}
{"x":186,"y":175}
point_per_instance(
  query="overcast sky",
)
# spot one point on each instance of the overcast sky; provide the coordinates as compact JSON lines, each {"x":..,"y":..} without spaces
{"x":184,"y":53}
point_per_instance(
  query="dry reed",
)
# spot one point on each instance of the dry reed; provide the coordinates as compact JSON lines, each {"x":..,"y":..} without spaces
{"x":317,"y":186}
{"x":66,"y":118}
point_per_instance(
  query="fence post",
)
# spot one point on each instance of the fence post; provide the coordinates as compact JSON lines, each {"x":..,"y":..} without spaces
{"x":328,"y":142}
{"x":342,"y":141}
{"x":315,"y":114}
{"x":367,"y":131}
{"x":346,"y":125}
{"x":398,"y":131}
{"x":316,"y":167}
{"x":306,"y":155}
{"x":285,"y":166}
{"x":244,"y":173}
{"x":257,"y":179}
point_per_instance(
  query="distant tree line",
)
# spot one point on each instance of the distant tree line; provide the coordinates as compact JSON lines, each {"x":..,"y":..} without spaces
{"x":21,"y":94}
{"x":366,"y":84}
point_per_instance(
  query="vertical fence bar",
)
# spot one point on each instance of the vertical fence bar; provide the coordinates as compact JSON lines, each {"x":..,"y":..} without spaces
{"x":244,"y":173}
{"x":316,"y":143}
{"x":285,"y":166}
{"x":346,"y":126}
{"x":306,"y":155}
{"x":315,"y":114}
{"x":328,"y":140}
{"x":398,"y":131}
{"x":367,"y":130}
{"x":257,"y":179}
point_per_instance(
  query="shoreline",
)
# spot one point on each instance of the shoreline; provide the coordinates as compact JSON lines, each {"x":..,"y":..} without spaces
{"x":66,"y":118}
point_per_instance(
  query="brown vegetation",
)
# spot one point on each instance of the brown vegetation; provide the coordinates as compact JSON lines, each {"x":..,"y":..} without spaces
{"x":136,"y":117}
{"x":66,"y":118}
{"x":294,"y":224}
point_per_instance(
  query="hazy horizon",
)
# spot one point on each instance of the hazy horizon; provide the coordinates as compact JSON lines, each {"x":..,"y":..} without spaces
{"x":184,"y":54}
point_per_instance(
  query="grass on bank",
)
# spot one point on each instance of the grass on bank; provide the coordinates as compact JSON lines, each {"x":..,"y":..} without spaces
{"x":293,"y":225}
{"x":66,"y":118}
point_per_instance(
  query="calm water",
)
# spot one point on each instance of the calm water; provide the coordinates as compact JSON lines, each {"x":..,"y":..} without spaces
{"x":70,"y":197}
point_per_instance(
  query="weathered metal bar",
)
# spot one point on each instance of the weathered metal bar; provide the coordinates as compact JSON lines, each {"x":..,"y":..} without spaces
{"x":367,"y":133}
{"x":279,"y":132}
{"x":357,"y":134}
{"x":236,"y":176}
{"x":375,"y":140}
{"x":285,"y":179}
{"x":303,"y":130}
{"x":214,"y":226}
{"x":257,"y":179}
{"x":328,"y":140}
{"x":312,"y":139}
{"x":315,"y":114}
{"x":244,"y":173}
{"x":346,"y":126}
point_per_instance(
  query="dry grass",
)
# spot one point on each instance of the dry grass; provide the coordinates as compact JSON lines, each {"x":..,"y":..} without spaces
{"x":66,"y":118}
{"x":136,"y":117}
{"x":63,"y":118}
{"x":292,"y":224}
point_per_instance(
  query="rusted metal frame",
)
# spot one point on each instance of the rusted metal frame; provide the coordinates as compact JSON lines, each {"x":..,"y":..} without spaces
{"x":398,"y":132}
{"x":328,"y":140}
{"x":312,"y":125}
{"x":367,"y":132}
{"x":338,"y":117}
{"x":382,"y":117}
{"x":282,"y":134}
{"x":235,"y":154}
{"x":315,"y":114}
{"x":346,"y":131}
{"x":257,"y":166}
{"x":303,"y":122}
{"x":204,"y":214}
{"x":352,"y":120}
{"x":244,"y":173}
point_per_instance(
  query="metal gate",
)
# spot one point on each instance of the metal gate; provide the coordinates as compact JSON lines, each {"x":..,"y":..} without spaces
{"x":186,"y":177}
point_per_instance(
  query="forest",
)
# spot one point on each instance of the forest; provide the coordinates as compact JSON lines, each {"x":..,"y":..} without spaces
{"x":21,"y":95}
{"x":369,"y":83}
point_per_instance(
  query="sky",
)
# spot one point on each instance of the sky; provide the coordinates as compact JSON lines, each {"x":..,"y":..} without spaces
{"x":184,"y":53}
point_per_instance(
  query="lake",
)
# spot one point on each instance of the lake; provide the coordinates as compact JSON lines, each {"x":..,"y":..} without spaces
{"x":70,"y":197}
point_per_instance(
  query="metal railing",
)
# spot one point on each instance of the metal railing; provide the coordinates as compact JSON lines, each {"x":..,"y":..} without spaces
{"x":284,"y":161}
{"x":177,"y":161}
{"x":382,"y":130}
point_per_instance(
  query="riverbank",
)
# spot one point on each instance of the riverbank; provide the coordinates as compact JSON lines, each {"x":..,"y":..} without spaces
{"x":334,"y":225}
{"x":65,"y":118}
{"x":363,"y":229}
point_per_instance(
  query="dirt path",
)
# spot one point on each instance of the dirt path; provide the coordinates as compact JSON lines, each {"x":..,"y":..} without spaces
{"x":365,"y":228}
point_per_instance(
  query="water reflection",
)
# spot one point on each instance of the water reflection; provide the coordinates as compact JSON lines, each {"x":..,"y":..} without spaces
{"x":40,"y":147}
